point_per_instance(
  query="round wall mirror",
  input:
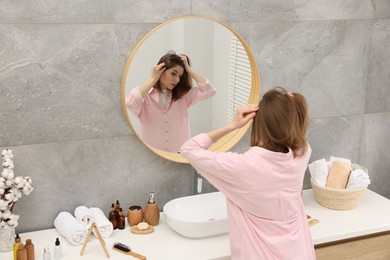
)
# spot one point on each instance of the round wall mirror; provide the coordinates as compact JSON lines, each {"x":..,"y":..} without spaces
{"x":216,"y":52}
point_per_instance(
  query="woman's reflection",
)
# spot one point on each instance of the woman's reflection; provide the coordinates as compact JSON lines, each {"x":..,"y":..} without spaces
{"x":161,"y":103}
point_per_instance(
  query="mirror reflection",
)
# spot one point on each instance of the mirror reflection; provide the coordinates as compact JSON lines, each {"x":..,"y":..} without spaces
{"x":161,"y":103}
{"x":215,"y":53}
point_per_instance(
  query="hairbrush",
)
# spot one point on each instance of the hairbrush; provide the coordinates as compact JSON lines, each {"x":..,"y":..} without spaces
{"x":127,"y":250}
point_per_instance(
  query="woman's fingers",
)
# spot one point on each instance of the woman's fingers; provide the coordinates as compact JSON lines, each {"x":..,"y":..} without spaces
{"x":184,"y":58}
{"x":160,"y":66}
{"x":248,"y":109}
{"x":244,"y":114}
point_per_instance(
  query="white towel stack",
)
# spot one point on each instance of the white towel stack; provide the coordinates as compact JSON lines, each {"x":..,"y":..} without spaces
{"x":75,"y":228}
{"x":68,"y":226}
{"x":319,"y":171}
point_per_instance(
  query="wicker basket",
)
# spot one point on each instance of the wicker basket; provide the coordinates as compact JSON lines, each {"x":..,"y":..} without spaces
{"x":339,"y":199}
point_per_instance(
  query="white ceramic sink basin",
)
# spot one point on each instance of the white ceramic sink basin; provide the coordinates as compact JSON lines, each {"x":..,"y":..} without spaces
{"x":198,"y":216}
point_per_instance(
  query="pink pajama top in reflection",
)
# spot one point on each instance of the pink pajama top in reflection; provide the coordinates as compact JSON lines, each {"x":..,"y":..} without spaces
{"x":166,"y":128}
{"x":266,"y":215}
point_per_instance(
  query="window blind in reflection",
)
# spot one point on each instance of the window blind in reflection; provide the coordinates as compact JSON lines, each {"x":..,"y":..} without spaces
{"x":240,"y":77}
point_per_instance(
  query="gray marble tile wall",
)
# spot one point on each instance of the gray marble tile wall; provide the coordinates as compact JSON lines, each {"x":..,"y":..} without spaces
{"x":60,"y":109}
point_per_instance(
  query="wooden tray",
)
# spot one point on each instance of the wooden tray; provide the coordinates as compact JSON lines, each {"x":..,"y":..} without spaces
{"x":134,"y":229}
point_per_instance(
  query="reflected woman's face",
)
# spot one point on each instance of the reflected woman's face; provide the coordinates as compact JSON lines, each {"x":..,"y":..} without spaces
{"x":170,"y":77}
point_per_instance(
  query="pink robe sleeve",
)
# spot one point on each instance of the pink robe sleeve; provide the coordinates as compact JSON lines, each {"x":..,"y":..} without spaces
{"x":134,"y":101}
{"x":218,"y":168}
{"x":201,"y":92}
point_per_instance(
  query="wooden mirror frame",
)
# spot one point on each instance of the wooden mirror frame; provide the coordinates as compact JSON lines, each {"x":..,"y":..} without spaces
{"x":228,"y":141}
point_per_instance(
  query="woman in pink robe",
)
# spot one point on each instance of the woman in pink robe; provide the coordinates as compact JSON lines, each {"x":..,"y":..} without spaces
{"x":162,"y":102}
{"x":266,"y":215}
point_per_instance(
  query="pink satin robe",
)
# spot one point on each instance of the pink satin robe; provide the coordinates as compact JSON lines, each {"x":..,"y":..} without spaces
{"x":266,"y":215}
{"x":166,"y":128}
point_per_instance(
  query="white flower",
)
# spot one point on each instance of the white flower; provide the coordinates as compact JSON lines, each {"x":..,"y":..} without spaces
{"x":3,"y":206}
{"x":18,"y":193}
{"x":13,"y":220}
{"x":6,"y":214}
{"x":7,"y":163}
{"x":10,"y":175}
{"x":5,"y":173}
{"x":18,"y":180}
{"x":20,"y":185}
{"x":11,"y":189}
{"x":9,"y":195}
{"x":7,"y":153}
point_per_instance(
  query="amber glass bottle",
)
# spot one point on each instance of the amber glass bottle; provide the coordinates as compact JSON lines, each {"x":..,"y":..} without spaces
{"x":30,"y":249}
{"x":113,"y":216}
{"x":22,"y":252}
{"x":121,"y":219}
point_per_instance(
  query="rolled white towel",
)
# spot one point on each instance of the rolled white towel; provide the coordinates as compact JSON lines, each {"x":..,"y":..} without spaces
{"x":319,"y":171}
{"x":84,"y":216}
{"x":68,"y":226}
{"x":358,"y":179}
{"x":104,"y":226}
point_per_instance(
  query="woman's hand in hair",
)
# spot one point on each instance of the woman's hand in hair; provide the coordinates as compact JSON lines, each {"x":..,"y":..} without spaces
{"x":195,"y":75}
{"x":155,"y":75}
{"x":185,"y":60}
{"x":156,"y":72}
{"x":244,"y":115}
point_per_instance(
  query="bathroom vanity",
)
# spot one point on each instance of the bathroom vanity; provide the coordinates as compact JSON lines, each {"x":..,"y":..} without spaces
{"x":361,"y":233}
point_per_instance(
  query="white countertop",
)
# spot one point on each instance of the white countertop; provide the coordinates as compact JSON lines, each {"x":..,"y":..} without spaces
{"x":163,"y":243}
{"x":372,"y":216}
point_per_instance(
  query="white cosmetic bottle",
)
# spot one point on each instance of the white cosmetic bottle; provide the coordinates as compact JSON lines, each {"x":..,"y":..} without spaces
{"x":46,"y":254}
{"x":57,"y":249}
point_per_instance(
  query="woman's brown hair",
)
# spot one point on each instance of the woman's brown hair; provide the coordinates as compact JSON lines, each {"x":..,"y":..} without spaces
{"x":171,"y":60}
{"x":281,"y":122}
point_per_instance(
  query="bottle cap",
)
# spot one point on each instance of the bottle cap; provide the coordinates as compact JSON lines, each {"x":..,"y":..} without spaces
{"x":17,"y":239}
{"x":28,"y":241}
{"x":57,"y":241}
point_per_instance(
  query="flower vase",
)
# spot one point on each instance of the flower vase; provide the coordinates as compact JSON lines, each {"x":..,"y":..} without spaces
{"x":7,"y":238}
